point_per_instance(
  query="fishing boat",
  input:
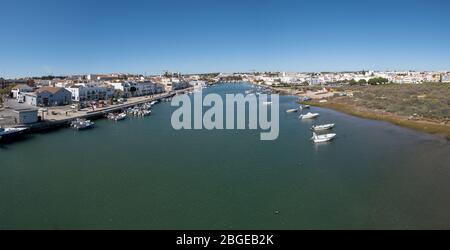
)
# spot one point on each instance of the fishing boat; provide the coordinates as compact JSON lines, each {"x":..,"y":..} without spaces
{"x":146,"y":112}
{"x":6,"y":133}
{"x":110,"y":116}
{"x":323,"y":127}
{"x":136,"y":111}
{"x":309,"y":116}
{"x":120,"y":117}
{"x":304,"y":99}
{"x":267,"y":103}
{"x":153,"y":103}
{"x":292,"y":110}
{"x":305,"y":107}
{"x":322,"y":138}
{"x":146,"y":106}
{"x":81,"y":124}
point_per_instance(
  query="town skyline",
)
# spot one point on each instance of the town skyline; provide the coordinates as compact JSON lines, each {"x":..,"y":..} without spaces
{"x":160,"y":73}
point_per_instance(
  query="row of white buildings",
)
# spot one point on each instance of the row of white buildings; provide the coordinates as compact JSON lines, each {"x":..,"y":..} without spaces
{"x":104,"y":91}
{"x":407,"y":77}
{"x":65,"y":92}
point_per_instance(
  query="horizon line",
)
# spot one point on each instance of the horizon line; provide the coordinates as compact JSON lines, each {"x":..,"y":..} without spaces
{"x":222,"y":72}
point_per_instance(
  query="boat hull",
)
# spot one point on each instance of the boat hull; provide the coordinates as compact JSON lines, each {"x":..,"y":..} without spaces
{"x":309,"y":117}
{"x":323,"y":138}
{"x":85,"y":127}
{"x":11,"y":135}
{"x":322,"y":128}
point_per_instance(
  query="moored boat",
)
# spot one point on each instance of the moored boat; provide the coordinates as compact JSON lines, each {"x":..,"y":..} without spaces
{"x":292,"y":110}
{"x":323,"y":127}
{"x":110,"y":116}
{"x":322,"y":138}
{"x":6,"y":133}
{"x":302,"y":107}
{"x":309,"y":116}
{"x":120,"y":117}
{"x":81,"y":124}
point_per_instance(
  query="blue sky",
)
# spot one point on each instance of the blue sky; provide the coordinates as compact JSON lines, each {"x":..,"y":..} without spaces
{"x":81,"y":36}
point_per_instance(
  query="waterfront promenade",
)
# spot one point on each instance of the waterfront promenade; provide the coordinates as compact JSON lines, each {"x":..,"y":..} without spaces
{"x":61,"y":116}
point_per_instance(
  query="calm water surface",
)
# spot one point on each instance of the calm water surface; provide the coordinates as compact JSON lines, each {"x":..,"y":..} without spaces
{"x":142,"y":174}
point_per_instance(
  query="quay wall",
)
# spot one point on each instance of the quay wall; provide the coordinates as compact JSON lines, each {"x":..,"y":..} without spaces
{"x":97,"y":114}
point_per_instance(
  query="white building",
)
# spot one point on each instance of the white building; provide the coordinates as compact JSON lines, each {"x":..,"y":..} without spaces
{"x":314,"y":81}
{"x":90,"y":92}
{"x":197,"y":84}
{"x":20,"y":88}
{"x":179,"y":85}
{"x":149,"y":88}
{"x":286,"y":79}
{"x":133,"y":89}
{"x":92,"y":77}
{"x":124,"y":87}
{"x":446,"y":78}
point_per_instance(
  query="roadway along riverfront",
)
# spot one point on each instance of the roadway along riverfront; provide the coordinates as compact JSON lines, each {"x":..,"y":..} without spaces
{"x":61,"y":116}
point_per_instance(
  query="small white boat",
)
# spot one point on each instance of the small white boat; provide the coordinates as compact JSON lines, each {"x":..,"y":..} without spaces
{"x":153,"y":103}
{"x":267,"y":103}
{"x":292,"y":110}
{"x":10,"y":132}
{"x":146,"y":112}
{"x":322,"y":138}
{"x":81,"y":124}
{"x":309,"y":116}
{"x":120,"y":117}
{"x":305,"y":107}
{"x":323,"y":127}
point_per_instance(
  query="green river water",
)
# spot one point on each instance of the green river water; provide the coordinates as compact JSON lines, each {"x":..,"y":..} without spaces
{"x":140,"y":173}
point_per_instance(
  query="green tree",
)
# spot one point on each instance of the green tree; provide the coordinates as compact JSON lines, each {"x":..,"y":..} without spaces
{"x":378,"y":80}
{"x":362,"y":82}
{"x":352,"y":82}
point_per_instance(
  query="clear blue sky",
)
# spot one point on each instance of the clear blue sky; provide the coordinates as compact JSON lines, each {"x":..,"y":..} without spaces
{"x":81,"y":36}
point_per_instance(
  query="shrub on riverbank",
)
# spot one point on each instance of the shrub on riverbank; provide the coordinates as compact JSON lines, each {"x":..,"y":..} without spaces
{"x":429,"y":100}
{"x":424,"y":107}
